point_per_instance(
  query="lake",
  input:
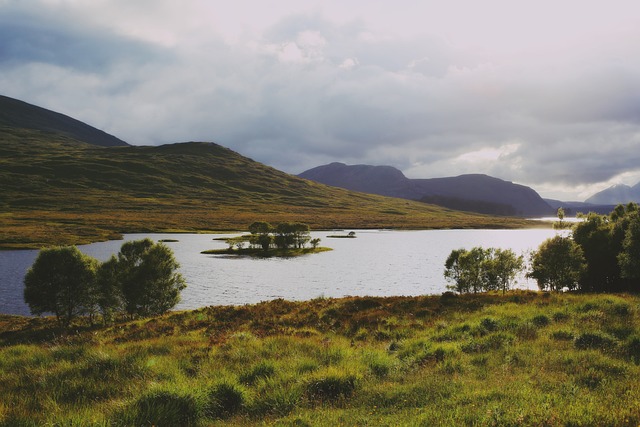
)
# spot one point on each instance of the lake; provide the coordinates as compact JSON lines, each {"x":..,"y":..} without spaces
{"x":375,"y":263}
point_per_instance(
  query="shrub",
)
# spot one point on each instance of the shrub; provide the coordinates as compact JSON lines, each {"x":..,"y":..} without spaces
{"x":263,"y":369}
{"x":225,"y":399}
{"x":164,"y":408}
{"x":560,"y":316}
{"x":593,"y":341}
{"x":632,"y":348}
{"x":276,"y":399}
{"x":331,"y":384}
{"x":540,"y":320}
{"x":562,"y":335}
{"x":489,"y":324}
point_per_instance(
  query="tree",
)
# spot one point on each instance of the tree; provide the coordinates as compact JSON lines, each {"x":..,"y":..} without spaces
{"x":61,"y":281}
{"x":148,"y":278}
{"x":596,"y":237}
{"x":482,"y":269}
{"x":558,"y":263}
{"x":291,"y":234}
{"x":110,"y":299}
{"x":315,"y":242}
{"x":629,"y":257}
{"x":502,"y":268}
{"x":261,"y":234}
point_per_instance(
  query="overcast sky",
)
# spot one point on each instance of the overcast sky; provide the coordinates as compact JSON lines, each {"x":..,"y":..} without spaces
{"x":542,"y":93}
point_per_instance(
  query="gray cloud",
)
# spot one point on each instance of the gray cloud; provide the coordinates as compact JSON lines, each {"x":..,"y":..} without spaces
{"x":308,"y":90}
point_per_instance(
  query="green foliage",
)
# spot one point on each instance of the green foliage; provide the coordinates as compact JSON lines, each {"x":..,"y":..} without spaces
{"x":148,"y":277}
{"x":481,"y":269}
{"x":331,"y":384}
{"x":142,"y":280}
{"x":164,"y":408}
{"x":61,"y":281}
{"x":557,"y":264}
{"x":629,"y":257}
{"x":225,"y":399}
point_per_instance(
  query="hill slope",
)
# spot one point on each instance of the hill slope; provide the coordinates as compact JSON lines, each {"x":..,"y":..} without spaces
{"x":16,"y":114}
{"x":59,"y":191}
{"x":477,"y":193}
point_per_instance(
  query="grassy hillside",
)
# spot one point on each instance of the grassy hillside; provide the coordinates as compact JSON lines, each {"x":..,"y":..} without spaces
{"x":57,"y":190}
{"x":16,"y":114}
{"x":523,"y":358}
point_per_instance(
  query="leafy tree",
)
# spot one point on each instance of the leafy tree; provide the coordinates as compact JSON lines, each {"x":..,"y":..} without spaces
{"x":502,"y":268}
{"x":291,"y":234}
{"x":148,"y":277}
{"x":600,"y":246}
{"x":466,"y":269}
{"x":61,"y":281}
{"x":261,"y":234}
{"x":110,"y":299}
{"x":558,"y":263}
{"x":315,"y":242}
{"x":482,"y":269}
{"x":629,"y":257}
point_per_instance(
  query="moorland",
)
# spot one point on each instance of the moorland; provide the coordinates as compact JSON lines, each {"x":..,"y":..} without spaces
{"x":524,"y":358}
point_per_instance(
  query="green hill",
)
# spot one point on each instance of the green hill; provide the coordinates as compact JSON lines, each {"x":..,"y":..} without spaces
{"x":60,"y":189}
{"x":16,"y":114}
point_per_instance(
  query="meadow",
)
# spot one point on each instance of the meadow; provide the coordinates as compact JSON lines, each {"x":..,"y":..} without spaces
{"x":524,"y":358}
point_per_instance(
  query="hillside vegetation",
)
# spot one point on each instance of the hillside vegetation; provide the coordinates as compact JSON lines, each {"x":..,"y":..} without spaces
{"x":525,"y":358}
{"x":58,"y":190}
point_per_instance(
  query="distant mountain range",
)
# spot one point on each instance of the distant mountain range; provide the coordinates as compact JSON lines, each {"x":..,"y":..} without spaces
{"x":616,"y":194}
{"x":475,"y":192}
{"x":65,"y":182}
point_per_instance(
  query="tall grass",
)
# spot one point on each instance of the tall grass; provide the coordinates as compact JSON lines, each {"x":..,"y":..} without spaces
{"x":521,"y":359}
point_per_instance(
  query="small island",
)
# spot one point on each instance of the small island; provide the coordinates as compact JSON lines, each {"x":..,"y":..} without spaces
{"x":287,"y":239}
{"x":351,"y":235}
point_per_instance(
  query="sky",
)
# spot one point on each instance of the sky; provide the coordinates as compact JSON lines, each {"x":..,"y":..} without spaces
{"x":542,"y":93}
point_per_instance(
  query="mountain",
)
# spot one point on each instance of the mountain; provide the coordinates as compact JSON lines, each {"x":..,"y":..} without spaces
{"x":617,"y":194}
{"x":475,"y":192}
{"x":16,"y":114}
{"x":59,"y":189}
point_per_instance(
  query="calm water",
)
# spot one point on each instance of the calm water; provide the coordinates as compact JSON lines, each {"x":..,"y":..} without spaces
{"x":376,"y":263}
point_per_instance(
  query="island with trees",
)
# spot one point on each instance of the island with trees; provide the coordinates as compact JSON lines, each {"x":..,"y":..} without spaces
{"x":287,"y":239}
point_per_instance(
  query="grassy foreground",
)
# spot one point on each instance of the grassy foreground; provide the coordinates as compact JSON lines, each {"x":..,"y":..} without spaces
{"x":525,"y":358}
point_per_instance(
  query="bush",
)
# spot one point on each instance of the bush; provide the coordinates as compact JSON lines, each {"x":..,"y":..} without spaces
{"x":489,"y":324}
{"x":330,"y":385}
{"x":632,"y":348}
{"x":593,"y":341}
{"x":164,"y":408}
{"x":540,"y":320}
{"x":225,"y":399}
{"x":263,"y":369}
{"x":562,"y":336}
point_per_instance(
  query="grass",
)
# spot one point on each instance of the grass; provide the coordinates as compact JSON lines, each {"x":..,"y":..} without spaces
{"x":523,"y":358}
{"x":57,"y":190}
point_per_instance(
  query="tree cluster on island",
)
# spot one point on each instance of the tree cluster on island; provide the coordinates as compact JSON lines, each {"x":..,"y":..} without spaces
{"x":286,"y":238}
{"x":600,"y":254}
{"x":142,"y":280}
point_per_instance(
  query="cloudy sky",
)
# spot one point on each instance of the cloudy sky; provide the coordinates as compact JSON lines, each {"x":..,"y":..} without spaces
{"x":543,"y":93}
